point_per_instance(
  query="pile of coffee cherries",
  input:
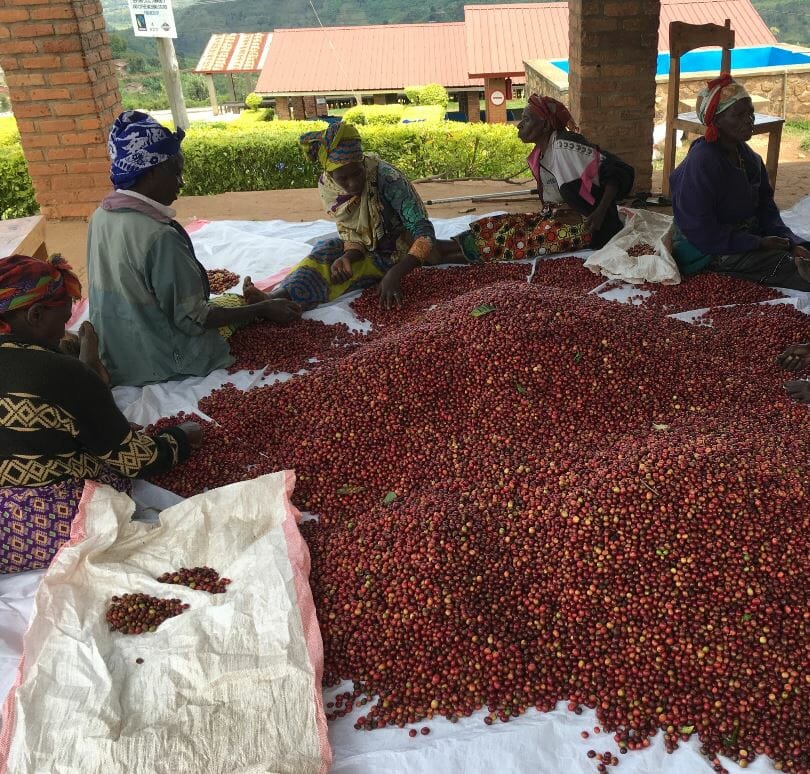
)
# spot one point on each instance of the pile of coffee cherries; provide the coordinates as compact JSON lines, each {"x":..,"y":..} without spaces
{"x":529,"y":495}
{"x":221,"y":280}
{"x":200,"y":578}
{"x":141,"y":613}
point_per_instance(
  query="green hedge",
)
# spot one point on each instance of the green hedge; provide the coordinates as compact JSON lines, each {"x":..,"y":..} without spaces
{"x":16,"y":190}
{"x":373,"y":115}
{"x":265,"y":155}
{"x":431,"y":94}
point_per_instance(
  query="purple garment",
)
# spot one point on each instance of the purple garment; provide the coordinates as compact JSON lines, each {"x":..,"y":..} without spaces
{"x":713,"y":201}
{"x":35,"y":521}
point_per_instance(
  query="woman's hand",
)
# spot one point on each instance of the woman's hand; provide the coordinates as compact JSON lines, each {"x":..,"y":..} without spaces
{"x":594,"y":221}
{"x":194,"y":434}
{"x":795,"y":357}
{"x":774,"y":243}
{"x":279,"y":310}
{"x":342,"y":267}
{"x":390,"y":289}
{"x":799,"y":391}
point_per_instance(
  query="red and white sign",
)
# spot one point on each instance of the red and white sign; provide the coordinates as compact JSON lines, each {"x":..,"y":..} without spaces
{"x":497,"y":98}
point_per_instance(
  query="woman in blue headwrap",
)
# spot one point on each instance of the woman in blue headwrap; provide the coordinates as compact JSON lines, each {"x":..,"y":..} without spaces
{"x":383,"y":227}
{"x":149,"y":295}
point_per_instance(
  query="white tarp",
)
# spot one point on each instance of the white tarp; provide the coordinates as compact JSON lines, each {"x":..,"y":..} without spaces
{"x":531,"y":744}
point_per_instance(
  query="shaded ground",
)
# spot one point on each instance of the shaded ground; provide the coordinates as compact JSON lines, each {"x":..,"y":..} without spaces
{"x":303,"y":204}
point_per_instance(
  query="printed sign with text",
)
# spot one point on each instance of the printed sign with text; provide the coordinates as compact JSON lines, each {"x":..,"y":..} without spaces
{"x":152,"y":18}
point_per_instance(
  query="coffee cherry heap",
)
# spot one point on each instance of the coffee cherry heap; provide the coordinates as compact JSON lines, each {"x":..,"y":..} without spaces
{"x":200,"y":578}
{"x":304,"y":344}
{"x":528,"y":495}
{"x":141,"y":613}
{"x":221,"y":280}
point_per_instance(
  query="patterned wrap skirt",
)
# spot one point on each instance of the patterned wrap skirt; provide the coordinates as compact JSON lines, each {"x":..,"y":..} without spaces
{"x":515,"y":236}
{"x":310,"y":282}
{"x":35,"y":521}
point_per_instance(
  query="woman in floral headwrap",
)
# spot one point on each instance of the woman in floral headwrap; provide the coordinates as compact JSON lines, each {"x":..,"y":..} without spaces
{"x":726,"y":218}
{"x":383,"y":227}
{"x":578,"y":184}
{"x":59,"y":424}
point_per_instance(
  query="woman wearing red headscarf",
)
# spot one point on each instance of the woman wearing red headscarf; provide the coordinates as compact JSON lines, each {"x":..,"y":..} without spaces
{"x":571,"y":174}
{"x":725,"y":215}
{"x":59,"y":424}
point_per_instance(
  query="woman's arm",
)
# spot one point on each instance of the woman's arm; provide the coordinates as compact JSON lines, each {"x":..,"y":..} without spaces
{"x":105,"y":433}
{"x":770,"y":220}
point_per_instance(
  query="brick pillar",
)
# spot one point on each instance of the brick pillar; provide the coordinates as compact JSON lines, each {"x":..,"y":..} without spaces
{"x":496,"y":114}
{"x":283,"y":108}
{"x":612,"y":57}
{"x":64,"y":90}
{"x":322,"y":108}
{"x":310,"y":107}
{"x":379,"y":99}
{"x":470,"y":104}
{"x":298,"y":110}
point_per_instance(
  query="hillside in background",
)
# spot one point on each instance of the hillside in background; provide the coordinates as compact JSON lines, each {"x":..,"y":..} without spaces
{"x":789,"y":19}
{"x":198,"y":19}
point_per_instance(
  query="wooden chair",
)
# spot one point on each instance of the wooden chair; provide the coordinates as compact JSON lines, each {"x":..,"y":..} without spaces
{"x":685,"y":37}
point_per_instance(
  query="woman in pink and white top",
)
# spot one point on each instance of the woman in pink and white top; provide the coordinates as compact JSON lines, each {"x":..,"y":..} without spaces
{"x":578,"y":183}
{"x":571,"y":170}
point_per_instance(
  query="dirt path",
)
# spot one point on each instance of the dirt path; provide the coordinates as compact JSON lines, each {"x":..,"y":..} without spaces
{"x":303,"y":204}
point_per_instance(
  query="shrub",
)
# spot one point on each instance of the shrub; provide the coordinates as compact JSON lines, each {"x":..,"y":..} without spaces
{"x":374,"y":115}
{"x":243,"y":158}
{"x":16,"y":190}
{"x":429,"y":113}
{"x":253,"y":101}
{"x":259,"y":155}
{"x":5,"y":105}
{"x":431,"y":94}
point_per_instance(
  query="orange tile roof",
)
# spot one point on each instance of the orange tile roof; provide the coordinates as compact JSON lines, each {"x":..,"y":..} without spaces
{"x":493,"y":40}
{"x":499,"y":38}
{"x":340,"y":60}
{"x":235,"y":53}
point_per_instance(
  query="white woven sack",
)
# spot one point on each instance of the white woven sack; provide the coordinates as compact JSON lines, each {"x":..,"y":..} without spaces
{"x":232,"y":685}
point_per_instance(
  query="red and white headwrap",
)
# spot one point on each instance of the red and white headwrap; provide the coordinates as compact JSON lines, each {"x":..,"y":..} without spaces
{"x":552,"y":111}
{"x":718,"y":95}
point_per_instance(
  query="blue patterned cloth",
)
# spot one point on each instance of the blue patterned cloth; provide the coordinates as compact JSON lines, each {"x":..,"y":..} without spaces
{"x":137,"y":142}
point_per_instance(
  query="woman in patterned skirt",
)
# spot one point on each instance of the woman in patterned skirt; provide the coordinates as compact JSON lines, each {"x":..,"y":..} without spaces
{"x":383,"y":227}
{"x":59,"y":424}
{"x":578,"y":184}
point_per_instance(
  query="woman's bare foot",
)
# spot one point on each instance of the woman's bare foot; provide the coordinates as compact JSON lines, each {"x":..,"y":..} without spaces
{"x":798,"y":390}
{"x":88,"y":351}
{"x":251,"y":293}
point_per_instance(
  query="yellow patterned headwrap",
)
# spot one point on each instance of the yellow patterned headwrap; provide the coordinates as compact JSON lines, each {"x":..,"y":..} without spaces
{"x":338,"y":145}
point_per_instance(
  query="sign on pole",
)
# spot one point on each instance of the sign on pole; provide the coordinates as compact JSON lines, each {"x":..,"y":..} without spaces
{"x":152,"y":18}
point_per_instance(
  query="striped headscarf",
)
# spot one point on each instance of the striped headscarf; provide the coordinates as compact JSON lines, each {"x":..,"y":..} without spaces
{"x":334,"y":147}
{"x":137,"y":143}
{"x":718,"y":95}
{"x":27,"y":281}
{"x":553,"y":111}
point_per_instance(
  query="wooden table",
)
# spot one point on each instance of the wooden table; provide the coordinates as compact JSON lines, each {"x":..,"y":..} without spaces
{"x":23,"y":236}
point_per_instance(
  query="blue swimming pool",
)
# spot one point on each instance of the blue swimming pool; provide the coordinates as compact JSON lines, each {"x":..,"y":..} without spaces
{"x":741,"y":59}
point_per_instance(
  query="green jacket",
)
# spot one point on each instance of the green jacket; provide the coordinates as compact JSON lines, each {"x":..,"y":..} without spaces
{"x":148,"y":297}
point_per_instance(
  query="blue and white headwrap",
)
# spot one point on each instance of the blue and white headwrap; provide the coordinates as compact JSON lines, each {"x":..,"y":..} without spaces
{"x":137,"y":143}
